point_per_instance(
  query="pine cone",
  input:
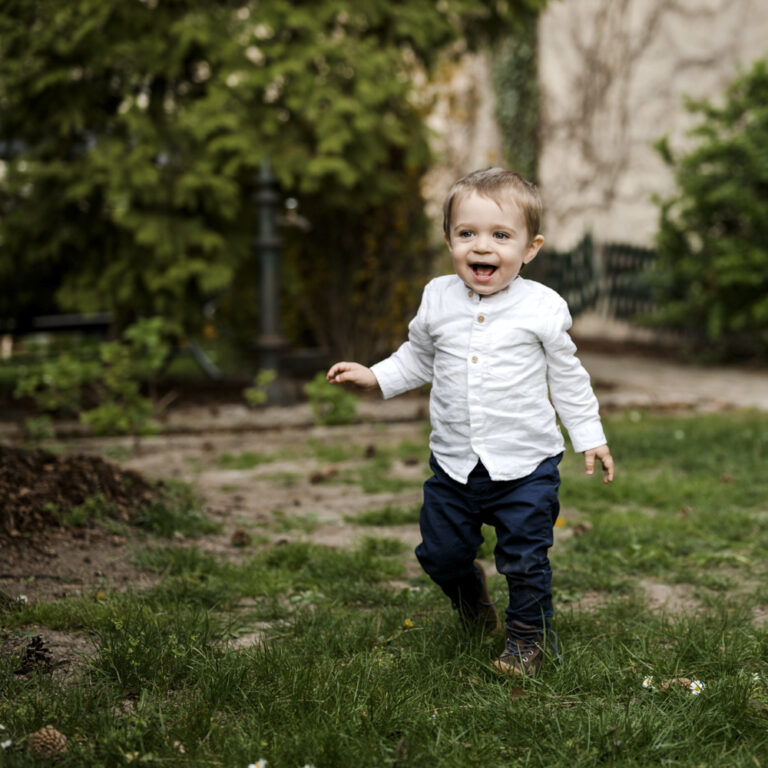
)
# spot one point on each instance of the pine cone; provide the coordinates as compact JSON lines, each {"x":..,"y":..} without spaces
{"x":35,"y":656}
{"x":47,"y":742}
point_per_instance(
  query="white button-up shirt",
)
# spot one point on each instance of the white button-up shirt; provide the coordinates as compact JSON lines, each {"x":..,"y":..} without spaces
{"x":494,"y":362}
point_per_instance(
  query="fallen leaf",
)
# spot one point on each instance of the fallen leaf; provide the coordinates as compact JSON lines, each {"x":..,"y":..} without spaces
{"x":678,"y":682}
{"x":581,"y":529}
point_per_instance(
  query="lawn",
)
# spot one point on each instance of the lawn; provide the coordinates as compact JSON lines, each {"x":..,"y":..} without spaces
{"x":358,"y":661}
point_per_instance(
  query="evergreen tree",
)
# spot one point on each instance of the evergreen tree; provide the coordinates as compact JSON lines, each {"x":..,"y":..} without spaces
{"x":713,"y":234}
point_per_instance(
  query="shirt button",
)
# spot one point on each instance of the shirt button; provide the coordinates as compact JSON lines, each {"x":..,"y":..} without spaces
{"x":469,"y":293}
{"x":481,"y":318}
{"x":474,"y":358}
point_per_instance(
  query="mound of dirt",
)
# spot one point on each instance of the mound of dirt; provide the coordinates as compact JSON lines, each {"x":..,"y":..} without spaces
{"x":37,"y":487}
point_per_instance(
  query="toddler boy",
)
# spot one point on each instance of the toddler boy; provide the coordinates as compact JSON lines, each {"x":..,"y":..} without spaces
{"x":496,"y":349}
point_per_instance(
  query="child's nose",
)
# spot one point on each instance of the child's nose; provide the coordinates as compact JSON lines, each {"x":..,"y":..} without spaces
{"x":482,"y":243}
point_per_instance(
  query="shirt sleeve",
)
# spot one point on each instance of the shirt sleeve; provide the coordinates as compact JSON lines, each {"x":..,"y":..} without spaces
{"x":569,"y":384}
{"x":412,"y":364}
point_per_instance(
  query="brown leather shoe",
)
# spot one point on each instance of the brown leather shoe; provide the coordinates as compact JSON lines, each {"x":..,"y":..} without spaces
{"x":483,"y":615}
{"x":524,"y":651}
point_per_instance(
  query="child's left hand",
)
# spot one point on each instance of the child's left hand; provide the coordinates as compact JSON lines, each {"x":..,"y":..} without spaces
{"x":603,"y":455}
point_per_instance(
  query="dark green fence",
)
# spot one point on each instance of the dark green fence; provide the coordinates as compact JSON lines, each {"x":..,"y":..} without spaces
{"x":626,"y":285}
{"x":573,"y":274}
{"x":613,"y":277}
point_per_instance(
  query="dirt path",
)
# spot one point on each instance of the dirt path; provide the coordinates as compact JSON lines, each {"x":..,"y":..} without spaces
{"x":292,"y":494}
{"x":303,"y":488}
{"x":625,"y":381}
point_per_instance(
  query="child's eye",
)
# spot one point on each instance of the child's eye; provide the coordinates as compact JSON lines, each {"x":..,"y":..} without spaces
{"x":465,"y":233}
{"x":501,"y":235}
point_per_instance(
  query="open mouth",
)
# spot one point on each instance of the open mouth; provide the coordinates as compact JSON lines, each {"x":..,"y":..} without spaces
{"x":483,"y":272}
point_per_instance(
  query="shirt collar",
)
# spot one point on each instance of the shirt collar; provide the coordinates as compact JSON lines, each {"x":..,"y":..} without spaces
{"x":509,"y":290}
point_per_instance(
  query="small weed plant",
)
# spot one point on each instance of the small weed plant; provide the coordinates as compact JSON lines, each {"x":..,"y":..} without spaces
{"x":258,"y":393}
{"x":104,"y":392}
{"x":331,"y":405}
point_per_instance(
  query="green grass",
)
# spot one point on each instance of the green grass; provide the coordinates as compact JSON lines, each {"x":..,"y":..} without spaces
{"x":283,"y":479}
{"x":244,"y":460}
{"x":178,"y":511}
{"x":385,"y":516}
{"x":375,"y":476}
{"x":690,"y":497}
{"x":281,"y":522}
{"x":333,"y":452}
{"x":341,"y":679}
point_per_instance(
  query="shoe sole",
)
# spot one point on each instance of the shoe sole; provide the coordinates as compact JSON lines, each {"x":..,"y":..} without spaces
{"x":512,"y":670}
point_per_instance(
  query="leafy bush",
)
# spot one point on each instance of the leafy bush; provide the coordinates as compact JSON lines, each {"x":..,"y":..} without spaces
{"x":713,"y":236}
{"x":111,"y":385}
{"x":140,"y":201}
{"x":330,"y":404}
{"x":258,"y":393}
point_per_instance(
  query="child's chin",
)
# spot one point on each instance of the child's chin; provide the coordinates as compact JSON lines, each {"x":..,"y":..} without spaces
{"x":488,"y":288}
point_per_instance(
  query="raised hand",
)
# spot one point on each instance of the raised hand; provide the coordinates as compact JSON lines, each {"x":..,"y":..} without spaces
{"x":339,"y":373}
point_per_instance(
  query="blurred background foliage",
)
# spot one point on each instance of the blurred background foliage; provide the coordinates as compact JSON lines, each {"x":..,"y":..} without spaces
{"x":711,"y":275}
{"x":518,"y":100}
{"x":132,"y":132}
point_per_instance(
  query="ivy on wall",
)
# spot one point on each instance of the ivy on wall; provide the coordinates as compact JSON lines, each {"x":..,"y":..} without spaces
{"x":516,"y":82}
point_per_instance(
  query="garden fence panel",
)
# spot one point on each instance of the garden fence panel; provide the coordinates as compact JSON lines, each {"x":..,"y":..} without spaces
{"x":627,"y":289}
{"x":573,"y":274}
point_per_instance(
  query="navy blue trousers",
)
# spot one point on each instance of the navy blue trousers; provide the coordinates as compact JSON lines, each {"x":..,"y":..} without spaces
{"x":522,"y":511}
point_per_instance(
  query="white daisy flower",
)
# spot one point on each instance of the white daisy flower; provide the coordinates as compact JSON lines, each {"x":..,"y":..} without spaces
{"x":5,"y":744}
{"x":696,"y":687}
{"x":648,"y":681}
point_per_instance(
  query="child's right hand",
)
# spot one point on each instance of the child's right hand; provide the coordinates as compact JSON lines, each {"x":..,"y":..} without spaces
{"x":353,"y":372}
{"x":603,"y":454}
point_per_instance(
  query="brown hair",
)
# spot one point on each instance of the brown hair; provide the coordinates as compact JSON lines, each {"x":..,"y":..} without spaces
{"x":493,"y":183}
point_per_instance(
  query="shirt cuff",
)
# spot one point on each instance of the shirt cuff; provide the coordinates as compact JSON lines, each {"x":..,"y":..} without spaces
{"x":391,"y":380}
{"x":587,"y":436}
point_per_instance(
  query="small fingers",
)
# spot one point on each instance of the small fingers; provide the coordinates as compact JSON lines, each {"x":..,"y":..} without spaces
{"x":336,"y":373}
{"x":607,"y":462}
{"x":603,"y":455}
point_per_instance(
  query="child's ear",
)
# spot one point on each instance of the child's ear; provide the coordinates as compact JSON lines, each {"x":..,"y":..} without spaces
{"x":533,"y":248}
{"x":447,"y":240}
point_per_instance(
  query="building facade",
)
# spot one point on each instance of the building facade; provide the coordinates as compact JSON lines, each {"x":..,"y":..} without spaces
{"x":614,"y":77}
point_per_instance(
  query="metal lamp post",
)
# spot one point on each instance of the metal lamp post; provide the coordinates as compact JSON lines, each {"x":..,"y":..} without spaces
{"x":267,"y":244}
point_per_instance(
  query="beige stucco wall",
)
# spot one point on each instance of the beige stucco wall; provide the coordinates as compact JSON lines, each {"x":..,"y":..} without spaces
{"x":614,"y":74}
{"x":461,"y":119}
{"x":613,"y":77}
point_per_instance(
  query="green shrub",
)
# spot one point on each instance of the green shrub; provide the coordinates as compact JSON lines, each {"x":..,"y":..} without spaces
{"x":258,"y":393}
{"x":712,"y":271}
{"x":330,"y":404}
{"x":111,"y":385}
{"x":141,"y":201}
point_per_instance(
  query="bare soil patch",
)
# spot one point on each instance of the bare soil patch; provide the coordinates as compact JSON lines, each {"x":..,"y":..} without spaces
{"x":673,"y":599}
{"x":44,"y":650}
{"x":37,"y":485}
{"x":294,"y":496}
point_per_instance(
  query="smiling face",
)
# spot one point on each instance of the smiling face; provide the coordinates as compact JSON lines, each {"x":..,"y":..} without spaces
{"x":489,"y":242}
